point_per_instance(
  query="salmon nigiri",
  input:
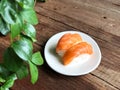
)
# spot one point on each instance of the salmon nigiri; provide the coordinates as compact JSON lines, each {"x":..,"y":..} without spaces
{"x":75,"y":51}
{"x":67,"y":41}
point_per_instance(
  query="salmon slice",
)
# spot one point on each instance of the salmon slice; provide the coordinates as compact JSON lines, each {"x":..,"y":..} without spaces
{"x":75,"y":51}
{"x":67,"y":41}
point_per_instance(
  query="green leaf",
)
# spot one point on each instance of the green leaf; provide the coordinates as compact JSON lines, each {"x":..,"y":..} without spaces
{"x":33,"y":72}
{"x":26,"y":3}
{"x":2,"y":80}
{"x":29,"y":16}
{"x":11,"y":61}
{"x":1,"y":88}
{"x":15,"y":30}
{"x":37,"y":58}
{"x":10,"y":81}
{"x":2,"y":5}
{"x":7,"y":12}
{"x":22,"y":72}
{"x":17,"y":27}
{"x":13,"y":15}
{"x":23,"y":48}
{"x":29,"y":2}
{"x":4,"y":73}
{"x":30,"y":31}
{"x":4,"y":27}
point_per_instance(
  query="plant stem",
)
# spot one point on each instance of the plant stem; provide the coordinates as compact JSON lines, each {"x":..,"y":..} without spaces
{"x":34,"y":2}
{"x":11,"y":40}
{"x":18,"y":38}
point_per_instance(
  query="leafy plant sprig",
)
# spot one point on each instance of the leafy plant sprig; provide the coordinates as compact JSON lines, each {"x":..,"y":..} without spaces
{"x":17,"y":17}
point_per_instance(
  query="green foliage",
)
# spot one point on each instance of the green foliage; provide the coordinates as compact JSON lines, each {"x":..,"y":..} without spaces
{"x":11,"y":61}
{"x":9,"y":82}
{"x":33,"y":72}
{"x":4,"y":28}
{"x":23,"y":48}
{"x":29,"y":16}
{"x":30,"y":31}
{"x":17,"y":17}
{"x":22,"y":72}
{"x":3,"y":71}
{"x":37,"y":58}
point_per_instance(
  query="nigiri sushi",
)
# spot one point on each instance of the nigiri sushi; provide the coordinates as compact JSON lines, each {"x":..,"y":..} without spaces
{"x":67,"y":41}
{"x":75,"y":51}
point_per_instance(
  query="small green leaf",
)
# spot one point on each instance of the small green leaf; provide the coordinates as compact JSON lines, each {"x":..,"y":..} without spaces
{"x":11,"y":61}
{"x":10,"y":81}
{"x":29,"y":2}
{"x":29,"y":16}
{"x":26,"y":3}
{"x":1,"y":88}
{"x":22,"y":72}
{"x":30,"y":31}
{"x":23,"y":48}
{"x":33,"y":72}
{"x":17,"y":27}
{"x":37,"y":58}
{"x":15,"y":30}
{"x":2,"y":80}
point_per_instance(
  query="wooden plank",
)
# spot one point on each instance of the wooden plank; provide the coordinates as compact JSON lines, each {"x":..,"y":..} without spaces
{"x":109,"y":43}
{"x":49,"y":76}
{"x":90,"y":81}
{"x":99,"y":19}
{"x":54,"y":81}
{"x":110,"y":57}
{"x":108,"y":74}
{"x":76,"y":24}
{"x":49,"y":79}
{"x":92,"y":13}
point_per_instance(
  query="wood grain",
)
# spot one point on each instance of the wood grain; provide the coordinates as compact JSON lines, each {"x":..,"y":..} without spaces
{"x":110,"y":53}
{"x":98,"y":18}
{"x":111,"y":56}
{"x":92,"y":12}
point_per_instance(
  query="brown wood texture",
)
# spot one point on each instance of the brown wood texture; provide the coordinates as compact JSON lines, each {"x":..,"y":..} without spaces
{"x":98,"y":18}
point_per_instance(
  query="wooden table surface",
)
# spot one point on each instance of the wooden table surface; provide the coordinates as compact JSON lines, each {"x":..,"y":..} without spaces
{"x":98,"y":18}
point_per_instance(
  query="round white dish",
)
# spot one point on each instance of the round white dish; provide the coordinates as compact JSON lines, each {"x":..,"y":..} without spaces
{"x":82,"y":67}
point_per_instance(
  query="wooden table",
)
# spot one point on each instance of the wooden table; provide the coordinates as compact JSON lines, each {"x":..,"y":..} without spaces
{"x":98,"y":18}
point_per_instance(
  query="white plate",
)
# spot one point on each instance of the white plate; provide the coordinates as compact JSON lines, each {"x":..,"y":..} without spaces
{"x":81,"y":68}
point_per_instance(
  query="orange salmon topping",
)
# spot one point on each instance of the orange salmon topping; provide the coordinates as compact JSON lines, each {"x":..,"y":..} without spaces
{"x":67,"y":41}
{"x":75,"y":51}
